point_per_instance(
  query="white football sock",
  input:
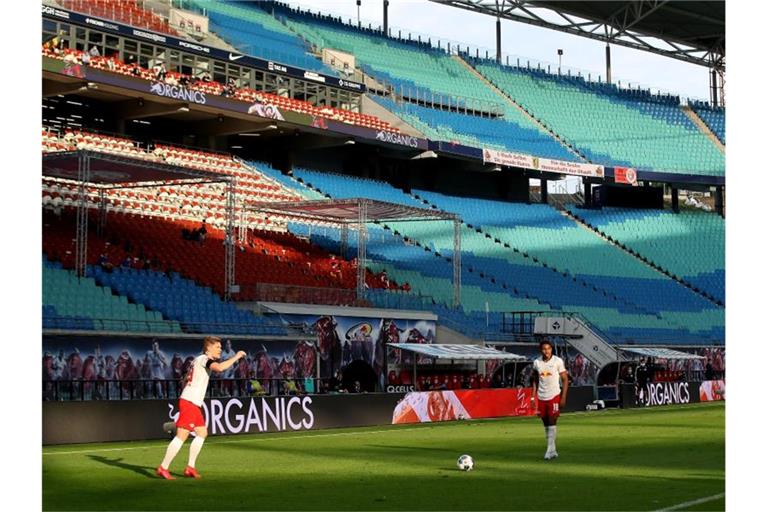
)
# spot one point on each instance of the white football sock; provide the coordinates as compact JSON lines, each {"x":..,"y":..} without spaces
{"x":194,"y":450}
{"x":551,"y":436}
{"x":170,"y":453}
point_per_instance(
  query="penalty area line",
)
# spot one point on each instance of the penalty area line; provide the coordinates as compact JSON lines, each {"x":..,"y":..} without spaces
{"x":691,"y":503}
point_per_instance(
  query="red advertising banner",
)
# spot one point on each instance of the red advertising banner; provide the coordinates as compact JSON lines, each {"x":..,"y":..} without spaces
{"x":431,"y":406}
{"x":712,"y":390}
{"x":625,"y":175}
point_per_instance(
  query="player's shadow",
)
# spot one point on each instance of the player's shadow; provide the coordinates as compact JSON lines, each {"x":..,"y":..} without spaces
{"x":118,"y":463}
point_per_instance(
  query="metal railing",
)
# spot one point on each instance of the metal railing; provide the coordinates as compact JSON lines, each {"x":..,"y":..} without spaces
{"x":296,"y":294}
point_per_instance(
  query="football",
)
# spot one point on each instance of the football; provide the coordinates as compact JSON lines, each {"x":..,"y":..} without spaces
{"x":465,"y":463}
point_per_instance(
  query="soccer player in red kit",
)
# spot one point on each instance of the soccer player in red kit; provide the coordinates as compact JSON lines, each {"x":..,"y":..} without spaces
{"x":190,"y":412}
{"x":548,"y":371}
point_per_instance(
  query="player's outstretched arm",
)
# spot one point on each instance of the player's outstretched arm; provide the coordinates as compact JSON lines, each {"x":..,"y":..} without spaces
{"x":226,"y":365}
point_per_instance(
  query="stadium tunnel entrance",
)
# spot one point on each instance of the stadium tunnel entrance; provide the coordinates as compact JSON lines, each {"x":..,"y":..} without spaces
{"x":358,"y":371}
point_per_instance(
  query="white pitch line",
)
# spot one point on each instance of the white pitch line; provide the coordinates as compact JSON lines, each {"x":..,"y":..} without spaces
{"x":692,"y":503}
{"x":283,"y":438}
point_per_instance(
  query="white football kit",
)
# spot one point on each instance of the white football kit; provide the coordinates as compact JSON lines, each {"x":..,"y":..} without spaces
{"x":549,"y":376}
{"x":197,"y":380}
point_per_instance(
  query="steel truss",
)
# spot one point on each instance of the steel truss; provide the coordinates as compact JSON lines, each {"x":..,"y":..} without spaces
{"x":86,"y":179}
{"x":619,"y":27}
{"x":81,"y":225}
{"x":358,"y":212}
{"x":229,"y":242}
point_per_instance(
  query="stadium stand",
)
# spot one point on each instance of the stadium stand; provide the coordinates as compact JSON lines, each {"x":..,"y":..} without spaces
{"x":625,"y":128}
{"x":713,"y":117}
{"x":546,"y":273}
{"x":515,"y":257}
{"x":259,"y":34}
{"x":241,"y":93}
{"x":70,"y":302}
{"x":690,"y":244}
{"x":130,"y":12}
{"x":512,"y":132}
{"x":558,"y":242}
{"x":418,"y":68}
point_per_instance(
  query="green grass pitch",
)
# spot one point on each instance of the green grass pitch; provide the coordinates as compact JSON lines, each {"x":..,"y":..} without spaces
{"x":640,"y":459}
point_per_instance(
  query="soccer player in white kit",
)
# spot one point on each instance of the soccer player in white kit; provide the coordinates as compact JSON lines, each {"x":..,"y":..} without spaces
{"x":190,"y":403}
{"x":548,"y":370}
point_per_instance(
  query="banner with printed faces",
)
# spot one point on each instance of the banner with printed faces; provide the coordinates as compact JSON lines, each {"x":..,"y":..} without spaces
{"x":712,"y":390}
{"x":341,"y":340}
{"x":451,"y":405}
{"x":124,"y":358}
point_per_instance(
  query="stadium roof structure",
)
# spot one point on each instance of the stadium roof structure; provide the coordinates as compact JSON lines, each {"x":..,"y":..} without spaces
{"x":662,"y":353}
{"x":104,"y":171}
{"x":342,"y":211}
{"x":690,"y":31}
{"x":458,"y":352}
{"x":117,"y":171}
{"x":359,"y":212}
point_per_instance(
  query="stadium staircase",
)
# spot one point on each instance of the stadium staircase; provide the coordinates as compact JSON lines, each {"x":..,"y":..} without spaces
{"x":621,"y":302}
{"x":617,"y":280}
{"x":630,"y":128}
{"x":369,"y":106}
{"x":594,"y":345}
{"x":703,"y":126}
{"x":523,"y":110}
{"x":569,"y":212}
{"x":691,"y":251}
{"x":713,"y":118}
{"x":255,"y":32}
{"x":498,"y":276}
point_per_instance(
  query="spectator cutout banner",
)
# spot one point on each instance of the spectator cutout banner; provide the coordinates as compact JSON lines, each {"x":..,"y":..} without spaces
{"x":344,"y":339}
{"x":431,"y":406}
{"x":712,"y":390}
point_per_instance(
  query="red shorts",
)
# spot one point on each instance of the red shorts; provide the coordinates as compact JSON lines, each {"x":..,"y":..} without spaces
{"x":550,"y":408}
{"x":190,"y":415}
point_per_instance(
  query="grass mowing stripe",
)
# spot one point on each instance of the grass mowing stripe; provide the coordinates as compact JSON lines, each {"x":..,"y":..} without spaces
{"x":691,"y":503}
{"x":250,"y":439}
{"x":639,"y":460}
